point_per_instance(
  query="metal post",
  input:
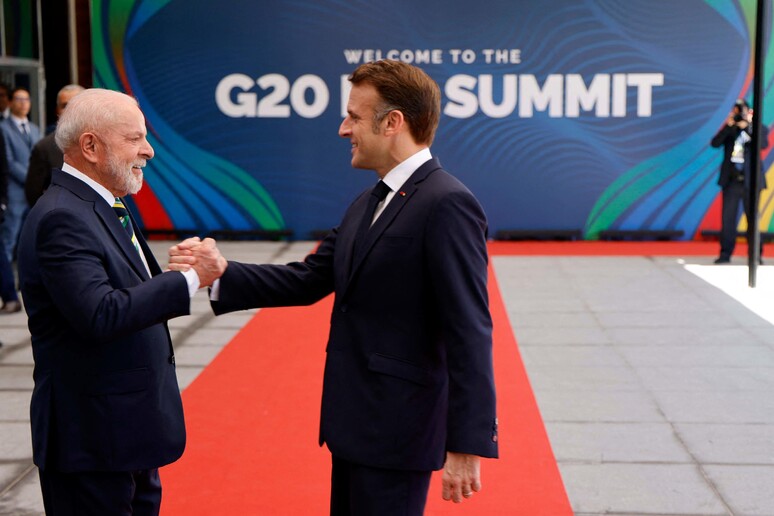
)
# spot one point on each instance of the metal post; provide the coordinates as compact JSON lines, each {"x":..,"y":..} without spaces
{"x":753,"y":231}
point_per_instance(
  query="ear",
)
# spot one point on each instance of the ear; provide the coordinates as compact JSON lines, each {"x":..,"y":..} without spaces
{"x":395,"y":123}
{"x":89,"y":146}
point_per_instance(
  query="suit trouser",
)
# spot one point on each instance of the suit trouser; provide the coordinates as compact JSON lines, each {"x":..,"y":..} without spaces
{"x":9,"y":229}
{"x":733,"y":193}
{"x":358,"y":490}
{"x":7,"y":281}
{"x":135,"y":493}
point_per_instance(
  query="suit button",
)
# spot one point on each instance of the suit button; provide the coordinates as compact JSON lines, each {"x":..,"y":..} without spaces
{"x":172,"y":359}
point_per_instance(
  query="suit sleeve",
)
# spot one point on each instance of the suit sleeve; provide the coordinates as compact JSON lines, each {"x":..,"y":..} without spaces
{"x":245,"y":286}
{"x":458,"y":264}
{"x":722,"y":135}
{"x":38,"y":175}
{"x":3,"y":174}
{"x":16,"y":168}
{"x":82,"y":280}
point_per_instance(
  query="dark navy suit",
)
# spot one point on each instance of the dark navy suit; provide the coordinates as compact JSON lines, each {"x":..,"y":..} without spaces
{"x":17,"y":149}
{"x":408,"y":374}
{"x":106,"y":397}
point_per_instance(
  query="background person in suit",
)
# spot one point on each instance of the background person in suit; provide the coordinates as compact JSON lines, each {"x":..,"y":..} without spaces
{"x":5,"y":101}
{"x":20,"y":136}
{"x":45,"y":155}
{"x":735,"y":137}
{"x":408,"y":383}
{"x":8,"y":293}
{"x":106,"y":409}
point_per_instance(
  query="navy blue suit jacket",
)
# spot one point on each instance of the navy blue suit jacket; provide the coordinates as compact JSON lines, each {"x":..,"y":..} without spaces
{"x":106,"y":396}
{"x":18,"y":151}
{"x":408,"y":374}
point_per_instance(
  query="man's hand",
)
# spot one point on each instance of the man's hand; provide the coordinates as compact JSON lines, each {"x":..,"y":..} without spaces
{"x":461,"y":476}
{"x":201,"y":255}
{"x":181,"y":256}
{"x":210,"y":264}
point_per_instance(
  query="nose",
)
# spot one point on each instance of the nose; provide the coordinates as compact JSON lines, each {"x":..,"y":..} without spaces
{"x":147,"y":150}
{"x":344,"y":129}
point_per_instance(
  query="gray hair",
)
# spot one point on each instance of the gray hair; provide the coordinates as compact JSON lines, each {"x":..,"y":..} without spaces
{"x":90,"y":111}
{"x":68,"y":88}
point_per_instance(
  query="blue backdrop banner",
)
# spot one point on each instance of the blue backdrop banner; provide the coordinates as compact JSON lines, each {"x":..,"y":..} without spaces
{"x":561,"y":114}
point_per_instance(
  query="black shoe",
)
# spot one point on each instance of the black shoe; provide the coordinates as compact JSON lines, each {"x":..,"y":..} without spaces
{"x":11,"y":307}
{"x":722,"y":260}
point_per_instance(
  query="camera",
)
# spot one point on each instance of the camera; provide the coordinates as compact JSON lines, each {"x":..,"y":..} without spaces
{"x":738,"y":117}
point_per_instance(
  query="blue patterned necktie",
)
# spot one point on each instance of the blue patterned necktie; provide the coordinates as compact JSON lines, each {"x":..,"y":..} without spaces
{"x":126,"y":222}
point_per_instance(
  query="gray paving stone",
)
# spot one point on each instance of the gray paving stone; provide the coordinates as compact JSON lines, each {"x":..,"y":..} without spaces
{"x":10,"y":472}
{"x":15,"y":377}
{"x":15,"y":406}
{"x":211,"y":337}
{"x":697,"y":336}
{"x":25,"y":499}
{"x":707,"y":379}
{"x":601,"y":406}
{"x":186,"y":375}
{"x":15,"y":441}
{"x":730,"y":444}
{"x":742,"y":355}
{"x":14,"y":335}
{"x":616,"y":442}
{"x":587,"y":378}
{"x":746,"y":407}
{"x":640,"y":488}
{"x":19,"y":356}
{"x":560,"y":336}
{"x":748,"y":490}
{"x":571,"y":356}
{"x":183,"y":323}
{"x":521,"y":320}
{"x":706,"y":320}
{"x":196,"y":355}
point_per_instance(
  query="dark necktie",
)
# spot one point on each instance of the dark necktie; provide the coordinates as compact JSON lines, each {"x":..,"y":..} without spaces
{"x":126,"y":222}
{"x":378,"y":194}
{"x":26,"y":133}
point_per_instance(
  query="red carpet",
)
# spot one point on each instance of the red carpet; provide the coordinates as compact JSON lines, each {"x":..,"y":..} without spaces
{"x":253,"y":414}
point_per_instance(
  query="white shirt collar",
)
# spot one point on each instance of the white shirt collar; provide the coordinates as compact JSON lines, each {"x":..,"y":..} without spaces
{"x":400,"y":174}
{"x":19,"y":121}
{"x":101,"y":190}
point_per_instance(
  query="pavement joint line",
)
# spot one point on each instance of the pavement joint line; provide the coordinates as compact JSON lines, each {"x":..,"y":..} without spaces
{"x":186,"y":332}
{"x":31,"y":467}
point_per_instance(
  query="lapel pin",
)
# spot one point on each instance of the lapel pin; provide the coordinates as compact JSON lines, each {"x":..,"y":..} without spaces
{"x":402,"y":194}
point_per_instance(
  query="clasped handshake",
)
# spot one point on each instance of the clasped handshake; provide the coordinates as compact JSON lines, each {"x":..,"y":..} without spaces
{"x":203,"y":256}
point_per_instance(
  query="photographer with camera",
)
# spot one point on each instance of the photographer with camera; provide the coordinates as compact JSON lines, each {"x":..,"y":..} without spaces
{"x":735,"y":137}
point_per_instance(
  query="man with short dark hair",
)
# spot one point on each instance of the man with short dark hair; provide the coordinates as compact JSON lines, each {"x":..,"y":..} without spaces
{"x":20,"y":136}
{"x":408,"y":385}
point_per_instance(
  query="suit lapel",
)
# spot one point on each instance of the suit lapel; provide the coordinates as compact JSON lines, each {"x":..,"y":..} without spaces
{"x":108,"y":217}
{"x":399,"y":200}
{"x":117,"y":231}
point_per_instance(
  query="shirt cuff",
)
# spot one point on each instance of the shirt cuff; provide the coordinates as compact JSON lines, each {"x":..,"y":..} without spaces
{"x":192,"y":278}
{"x":215,"y":290}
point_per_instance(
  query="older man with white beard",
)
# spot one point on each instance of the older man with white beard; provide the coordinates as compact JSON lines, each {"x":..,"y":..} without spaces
{"x":106,"y":410}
